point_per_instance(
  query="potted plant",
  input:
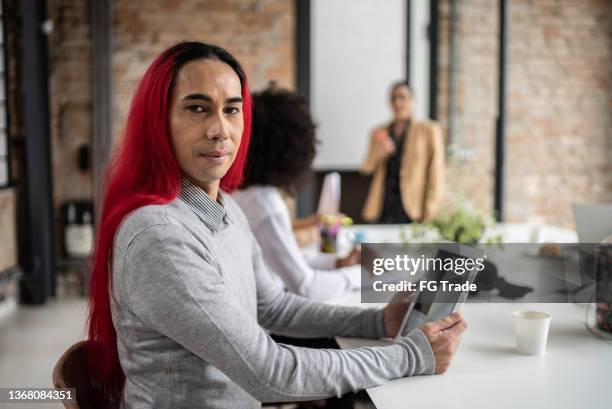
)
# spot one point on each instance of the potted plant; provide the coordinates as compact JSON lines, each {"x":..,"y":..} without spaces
{"x":463,"y":224}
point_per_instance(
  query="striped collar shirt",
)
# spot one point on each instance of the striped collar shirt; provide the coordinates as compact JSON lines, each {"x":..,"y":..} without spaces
{"x":212,"y":213}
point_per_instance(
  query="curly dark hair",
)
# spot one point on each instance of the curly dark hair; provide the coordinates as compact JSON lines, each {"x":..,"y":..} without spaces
{"x":283,"y":141}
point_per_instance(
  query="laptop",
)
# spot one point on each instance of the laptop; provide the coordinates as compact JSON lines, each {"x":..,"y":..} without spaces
{"x":593,"y":223}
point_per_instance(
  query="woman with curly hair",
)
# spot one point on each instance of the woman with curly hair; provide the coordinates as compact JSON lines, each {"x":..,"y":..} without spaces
{"x":180,"y":298}
{"x":282,"y":150}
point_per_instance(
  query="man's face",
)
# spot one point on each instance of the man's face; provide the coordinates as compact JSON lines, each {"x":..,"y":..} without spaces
{"x":401,"y":102}
{"x":206,"y":120}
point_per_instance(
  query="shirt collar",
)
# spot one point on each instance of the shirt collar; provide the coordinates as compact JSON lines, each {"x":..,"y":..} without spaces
{"x":212,"y":213}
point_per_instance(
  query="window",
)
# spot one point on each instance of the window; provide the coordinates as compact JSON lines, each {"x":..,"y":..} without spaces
{"x":358,"y":50}
{"x":4,"y":142}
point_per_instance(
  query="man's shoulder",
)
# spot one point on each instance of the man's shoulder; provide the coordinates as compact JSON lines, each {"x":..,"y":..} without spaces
{"x":150,"y":218}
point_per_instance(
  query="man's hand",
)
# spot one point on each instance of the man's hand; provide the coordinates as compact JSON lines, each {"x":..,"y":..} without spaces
{"x":444,"y":336}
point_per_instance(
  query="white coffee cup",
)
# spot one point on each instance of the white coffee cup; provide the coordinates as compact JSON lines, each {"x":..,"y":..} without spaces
{"x":531,"y":331}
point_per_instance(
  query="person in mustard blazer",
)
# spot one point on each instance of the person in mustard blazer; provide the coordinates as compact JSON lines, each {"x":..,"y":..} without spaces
{"x":406,"y":158}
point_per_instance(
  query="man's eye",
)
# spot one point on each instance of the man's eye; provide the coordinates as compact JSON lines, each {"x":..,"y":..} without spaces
{"x":232,"y":110}
{"x":196,"y":108}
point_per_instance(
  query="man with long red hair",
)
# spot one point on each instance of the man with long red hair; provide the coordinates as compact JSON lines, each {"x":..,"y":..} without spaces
{"x":180,"y":296}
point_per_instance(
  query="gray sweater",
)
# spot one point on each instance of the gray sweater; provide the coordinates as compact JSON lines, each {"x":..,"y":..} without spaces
{"x":191,"y":300}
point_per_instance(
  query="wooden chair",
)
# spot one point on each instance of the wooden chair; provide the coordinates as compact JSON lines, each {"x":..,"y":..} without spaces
{"x":71,"y":372}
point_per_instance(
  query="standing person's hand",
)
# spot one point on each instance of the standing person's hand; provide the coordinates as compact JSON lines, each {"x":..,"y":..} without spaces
{"x":383,"y":145}
{"x":444,"y":336}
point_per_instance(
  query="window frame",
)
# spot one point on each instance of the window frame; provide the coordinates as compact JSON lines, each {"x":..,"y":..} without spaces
{"x":4,"y":129}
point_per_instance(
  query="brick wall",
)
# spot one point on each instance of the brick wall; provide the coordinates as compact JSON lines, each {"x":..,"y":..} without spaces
{"x":470,"y":170}
{"x":559,"y":139}
{"x":70,"y":96}
{"x":560,"y":111}
{"x":559,"y":135}
{"x":69,"y":50}
{"x":260,"y":34}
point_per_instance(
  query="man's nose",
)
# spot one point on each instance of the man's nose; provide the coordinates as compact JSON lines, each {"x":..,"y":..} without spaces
{"x":218,"y":129}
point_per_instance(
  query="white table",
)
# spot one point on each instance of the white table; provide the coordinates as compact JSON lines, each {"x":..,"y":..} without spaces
{"x":509,"y":232}
{"x":575,"y":372}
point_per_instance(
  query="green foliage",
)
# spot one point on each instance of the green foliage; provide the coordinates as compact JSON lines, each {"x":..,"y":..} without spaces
{"x":461,"y":225}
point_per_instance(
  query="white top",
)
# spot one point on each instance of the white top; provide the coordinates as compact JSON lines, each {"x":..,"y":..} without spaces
{"x":311,"y":275}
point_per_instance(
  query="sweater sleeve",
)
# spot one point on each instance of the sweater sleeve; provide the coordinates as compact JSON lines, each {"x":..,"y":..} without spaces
{"x":178,"y":291}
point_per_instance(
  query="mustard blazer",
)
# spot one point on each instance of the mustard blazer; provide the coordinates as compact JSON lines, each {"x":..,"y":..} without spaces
{"x":421,"y":173}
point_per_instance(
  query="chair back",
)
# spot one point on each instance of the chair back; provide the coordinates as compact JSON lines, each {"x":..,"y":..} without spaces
{"x":71,"y":371}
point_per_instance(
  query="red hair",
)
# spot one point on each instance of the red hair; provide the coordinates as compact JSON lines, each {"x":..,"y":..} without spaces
{"x":144,"y":171}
